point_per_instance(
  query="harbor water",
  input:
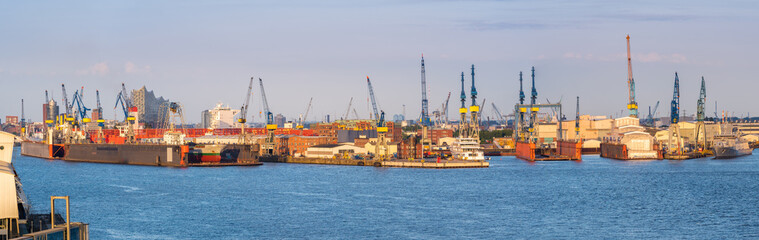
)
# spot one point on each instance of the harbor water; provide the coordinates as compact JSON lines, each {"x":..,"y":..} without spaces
{"x":594,"y":198}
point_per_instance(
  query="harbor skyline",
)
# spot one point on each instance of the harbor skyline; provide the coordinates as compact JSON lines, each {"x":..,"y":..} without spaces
{"x":200,"y":53}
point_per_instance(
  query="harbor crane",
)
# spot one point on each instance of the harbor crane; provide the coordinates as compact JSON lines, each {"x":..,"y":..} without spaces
{"x":651,"y":114}
{"x":244,"y":114}
{"x":381,"y":129}
{"x":475,"y":111}
{"x":632,"y":105}
{"x":577,"y":120}
{"x":499,"y":115}
{"x":23,"y":119}
{"x":425,"y":119}
{"x":463,"y":126}
{"x":350,"y":103}
{"x":99,"y":108}
{"x":81,"y":109}
{"x":268,"y":146}
{"x":66,"y":103}
{"x":126,"y":104}
{"x":303,"y":119}
{"x":445,"y":107}
{"x":700,"y":116}
{"x":520,"y":121}
{"x":674,"y":127}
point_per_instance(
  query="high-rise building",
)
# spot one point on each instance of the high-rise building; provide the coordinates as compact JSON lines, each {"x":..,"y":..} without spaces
{"x":219,"y":117}
{"x":148,"y":106}
{"x":280,"y":120}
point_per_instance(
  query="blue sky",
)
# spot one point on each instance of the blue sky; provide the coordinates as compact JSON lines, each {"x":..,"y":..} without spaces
{"x":203,"y":52}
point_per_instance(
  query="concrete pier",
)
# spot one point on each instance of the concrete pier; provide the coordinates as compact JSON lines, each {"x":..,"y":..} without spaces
{"x":400,"y":163}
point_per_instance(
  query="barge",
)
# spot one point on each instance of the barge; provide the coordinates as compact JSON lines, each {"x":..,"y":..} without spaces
{"x":185,"y":155}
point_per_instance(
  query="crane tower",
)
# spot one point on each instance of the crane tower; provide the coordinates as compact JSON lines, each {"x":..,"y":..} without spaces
{"x":425,"y":109}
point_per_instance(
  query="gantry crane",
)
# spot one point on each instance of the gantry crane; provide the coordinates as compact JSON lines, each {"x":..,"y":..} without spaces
{"x":66,"y":105}
{"x":244,"y":114}
{"x":81,"y":109}
{"x":270,"y":126}
{"x":632,"y":105}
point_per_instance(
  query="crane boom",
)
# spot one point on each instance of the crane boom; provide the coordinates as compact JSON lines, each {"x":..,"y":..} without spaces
{"x":633,"y":105}
{"x":66,"y":100}
{"x":350,"y":103}
{"x":701,"y":113}
{"x":244,"y":108}
{"x":445,"y":107}
{"x":125,"y":96}
{"x":425,"y":109}
{"x":303,"y":120}
{"x":374,"y":101}
{"x":498,"y":112}
{"x":269,"y":115}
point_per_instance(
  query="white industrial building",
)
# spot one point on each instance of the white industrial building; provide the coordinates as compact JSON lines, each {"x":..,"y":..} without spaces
{"x":219,"y":117}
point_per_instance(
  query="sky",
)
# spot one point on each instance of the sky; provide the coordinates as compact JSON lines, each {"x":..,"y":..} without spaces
{"x":200,"y":53}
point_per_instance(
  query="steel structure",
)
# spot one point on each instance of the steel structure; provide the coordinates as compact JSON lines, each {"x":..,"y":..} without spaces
{"x":81,"y":110}
{"x":374,"y":101}
{"x":632,"y":105}
{"x":303,"y":119}
{"x":445,"y":107}
{"x":474,"y":112}
{"x":520,"y":121}
{"x":499,"y":115}
{"x":577,"y":119}
{"x":348,"y":111}
{"x":463,"y":132}
{"x":66,"y":104}
{"x":244,"y":108}
{"x":425,"y":118}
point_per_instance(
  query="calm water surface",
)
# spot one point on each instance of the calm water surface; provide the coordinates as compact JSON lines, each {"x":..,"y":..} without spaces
{"x":595,"y":198}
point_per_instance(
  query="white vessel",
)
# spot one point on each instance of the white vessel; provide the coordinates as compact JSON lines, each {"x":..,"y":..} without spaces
{"x":467,"y":149}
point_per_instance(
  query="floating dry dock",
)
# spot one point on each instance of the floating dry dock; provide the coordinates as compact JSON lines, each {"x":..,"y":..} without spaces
{"x":401,"y":163}
{"x":565,"y":151}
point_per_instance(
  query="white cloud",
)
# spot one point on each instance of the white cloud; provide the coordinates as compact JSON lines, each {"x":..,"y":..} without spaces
{"x":131,"y":68}
{"x":99,"y":69}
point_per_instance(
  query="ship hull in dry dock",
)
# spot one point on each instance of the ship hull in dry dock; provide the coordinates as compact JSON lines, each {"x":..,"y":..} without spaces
{"x":142,"y":154}
{"x":621,"y":152}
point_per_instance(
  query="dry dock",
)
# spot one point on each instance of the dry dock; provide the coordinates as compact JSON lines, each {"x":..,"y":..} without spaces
{"x":400,"y":163}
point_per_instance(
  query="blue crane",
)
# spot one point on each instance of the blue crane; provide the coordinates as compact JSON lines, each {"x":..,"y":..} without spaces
{"x":675,"y":106}
{"x":425,"y":119}
{"x":126,"y":105}
{"x":474,"y":90}
{"x":81,"y":109}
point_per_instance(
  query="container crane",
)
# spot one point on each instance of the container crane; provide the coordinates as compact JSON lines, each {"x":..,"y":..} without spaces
{"x":425,"y":119}
{"x":633,"y":105}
